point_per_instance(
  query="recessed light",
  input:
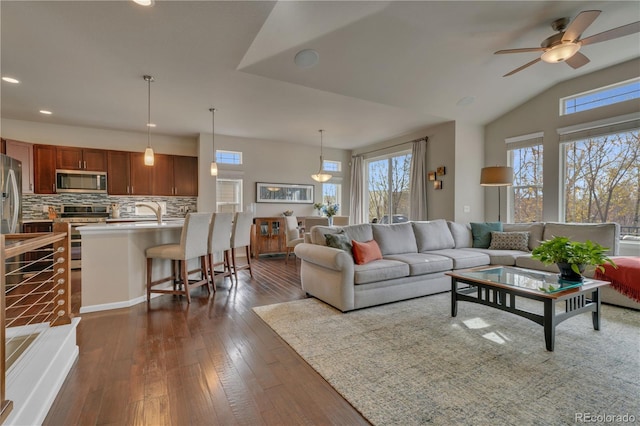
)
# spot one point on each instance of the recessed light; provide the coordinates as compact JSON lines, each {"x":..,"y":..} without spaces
{"x":467,"y":100}
{"x":45,"y":112}
{"x":306,"y":58}
{"x":144,"y":2}
{"x":10,"y":80}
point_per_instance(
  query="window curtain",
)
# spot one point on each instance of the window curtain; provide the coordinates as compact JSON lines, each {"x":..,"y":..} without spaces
{"x":418,"y":181}
{"x":357,"y":211}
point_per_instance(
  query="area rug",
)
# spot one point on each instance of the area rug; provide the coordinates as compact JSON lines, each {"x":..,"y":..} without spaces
{"x":411,"y":363}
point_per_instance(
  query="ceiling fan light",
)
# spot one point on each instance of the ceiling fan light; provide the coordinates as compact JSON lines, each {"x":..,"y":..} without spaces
{"x":560,"y":52}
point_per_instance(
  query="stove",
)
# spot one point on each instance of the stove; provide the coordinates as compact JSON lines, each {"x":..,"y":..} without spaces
{"x":78,"y":215}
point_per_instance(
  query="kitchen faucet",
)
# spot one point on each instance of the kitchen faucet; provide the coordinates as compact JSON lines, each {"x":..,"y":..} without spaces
{"x":156,"y":211}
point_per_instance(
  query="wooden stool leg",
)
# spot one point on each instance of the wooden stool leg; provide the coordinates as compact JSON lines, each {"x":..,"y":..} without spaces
{"x":149,"y":269}
{"x":185,"y":280}
{"x":249,"y":261}
{"x":227,"y":265}
{"x":233,"y":260}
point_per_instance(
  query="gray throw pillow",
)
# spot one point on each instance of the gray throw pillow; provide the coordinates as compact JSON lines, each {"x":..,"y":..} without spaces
{"x":509,"y":241}
{"x":339,"y":241}
{"x":482,"y":233}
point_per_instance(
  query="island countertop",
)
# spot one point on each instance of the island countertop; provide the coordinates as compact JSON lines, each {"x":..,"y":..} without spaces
{"x":129,"y":226}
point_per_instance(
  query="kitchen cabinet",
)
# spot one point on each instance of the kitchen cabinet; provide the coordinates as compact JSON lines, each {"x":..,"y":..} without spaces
{"x":268,"y":235}
{"x":118,"y":173}
{"x":3,"y":146}
{"x":185,"y":175}
{"x":162,"y":175}
{"x":141,"y":175}
{"x":23,"y":152}
{"x":71,"y":158}
{"x":44,"y":167}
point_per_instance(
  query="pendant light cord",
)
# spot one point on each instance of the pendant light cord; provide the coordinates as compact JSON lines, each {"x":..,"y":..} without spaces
{"x":213,"y":132}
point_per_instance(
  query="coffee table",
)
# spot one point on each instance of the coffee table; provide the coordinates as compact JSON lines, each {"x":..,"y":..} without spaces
{"x":498,"y":286}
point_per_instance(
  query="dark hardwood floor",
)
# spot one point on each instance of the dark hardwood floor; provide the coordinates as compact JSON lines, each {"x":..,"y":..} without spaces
{"x":213,"y":362}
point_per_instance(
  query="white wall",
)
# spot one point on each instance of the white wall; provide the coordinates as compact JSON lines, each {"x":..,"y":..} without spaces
{"x":270,"y":161}
{"x":541,"y":114}
{"x":86,"y":137}
{"x":469,"y":158}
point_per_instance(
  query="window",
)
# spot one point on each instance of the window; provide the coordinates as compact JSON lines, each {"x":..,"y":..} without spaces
{"x":229,"y":195}
{"x":526,"y":195}
{"x":331,"y":193}
{"x":601,"y":176}
{"x":387,"y":193}
{"x":331,"y":166}
{"x":600,"y":97}
{"x":228,"y":157}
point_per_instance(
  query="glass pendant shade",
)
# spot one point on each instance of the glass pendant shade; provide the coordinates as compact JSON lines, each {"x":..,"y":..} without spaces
{"x":321,"y":176}
{"x":214,"y":168}
{"x":148,"y":156}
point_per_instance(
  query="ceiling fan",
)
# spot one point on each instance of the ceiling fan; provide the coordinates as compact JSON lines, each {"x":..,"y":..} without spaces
{"x":565,"y":45}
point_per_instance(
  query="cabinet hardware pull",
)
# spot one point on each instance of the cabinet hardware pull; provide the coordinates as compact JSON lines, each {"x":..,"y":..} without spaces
{"x":79,"y":164}
{"x":85,"y":164}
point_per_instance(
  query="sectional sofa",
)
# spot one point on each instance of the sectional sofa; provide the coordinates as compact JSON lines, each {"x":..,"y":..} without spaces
{"x":416,"y":256}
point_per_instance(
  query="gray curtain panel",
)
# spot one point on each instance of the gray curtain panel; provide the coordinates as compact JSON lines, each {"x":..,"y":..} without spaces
{"x":418,"y":183}
{"x":357,"y":208}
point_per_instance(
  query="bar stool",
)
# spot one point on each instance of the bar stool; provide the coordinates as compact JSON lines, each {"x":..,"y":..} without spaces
{"x":241,"y":237}
{"x":220,"y":241}
{"x":193,"y":245}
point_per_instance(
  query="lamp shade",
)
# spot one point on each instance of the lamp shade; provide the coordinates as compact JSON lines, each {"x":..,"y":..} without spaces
{"x":496,"y":176}
{"x":560,"y":52}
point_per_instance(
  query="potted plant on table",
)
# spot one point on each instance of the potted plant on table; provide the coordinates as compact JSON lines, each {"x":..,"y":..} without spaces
{"x":572,"y":257}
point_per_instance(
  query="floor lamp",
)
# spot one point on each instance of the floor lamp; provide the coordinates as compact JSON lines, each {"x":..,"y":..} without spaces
{"x":497,"y":176}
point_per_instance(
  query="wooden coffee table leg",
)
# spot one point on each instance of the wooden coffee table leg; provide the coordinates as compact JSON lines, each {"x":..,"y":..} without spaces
{"x":595,"y":315}
{"x":454,"y":300}
{"x":549,"y":324}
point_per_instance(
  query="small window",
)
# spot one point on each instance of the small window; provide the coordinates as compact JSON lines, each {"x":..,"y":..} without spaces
{"x":229,"y":195}
{"x":331,"y":166}
{"x":228,"y":157}
{"x":331,"y":193}
{"x":603,"y":96}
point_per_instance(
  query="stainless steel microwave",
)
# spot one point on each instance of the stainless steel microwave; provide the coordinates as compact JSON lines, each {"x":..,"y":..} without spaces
{"x":80,"y":181}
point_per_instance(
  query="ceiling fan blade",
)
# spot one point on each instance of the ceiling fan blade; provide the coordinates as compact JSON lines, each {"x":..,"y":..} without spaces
{"x":579,"y":24}
{"x":577,"y":60}
{"x":522,"y":67}
{"x":622,"y":31}
{"x":525,"y":49}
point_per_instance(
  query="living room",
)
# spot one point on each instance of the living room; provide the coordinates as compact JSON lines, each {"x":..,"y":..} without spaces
{"x":215,"y":361}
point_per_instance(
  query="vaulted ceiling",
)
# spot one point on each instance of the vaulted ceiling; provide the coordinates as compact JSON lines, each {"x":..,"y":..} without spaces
{"x":384,"y":69}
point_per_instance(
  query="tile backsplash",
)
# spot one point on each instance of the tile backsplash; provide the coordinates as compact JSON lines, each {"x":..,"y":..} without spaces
{"x":32,"y":205}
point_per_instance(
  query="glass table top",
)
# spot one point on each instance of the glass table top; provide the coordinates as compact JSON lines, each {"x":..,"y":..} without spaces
{"x":523,"y":278}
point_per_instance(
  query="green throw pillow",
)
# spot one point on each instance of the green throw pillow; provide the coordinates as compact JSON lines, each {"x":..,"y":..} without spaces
{"x":339,"y":241}
{"x":481,"y":232}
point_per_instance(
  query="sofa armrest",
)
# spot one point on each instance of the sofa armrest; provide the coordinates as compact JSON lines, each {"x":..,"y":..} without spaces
{"x":327,"y":257}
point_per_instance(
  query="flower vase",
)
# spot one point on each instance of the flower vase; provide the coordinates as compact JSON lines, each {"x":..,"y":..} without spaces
{"x":330,"y":220}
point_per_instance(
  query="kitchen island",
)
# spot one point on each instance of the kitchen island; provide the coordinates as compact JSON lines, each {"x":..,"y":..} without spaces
{"x":114,"y":261}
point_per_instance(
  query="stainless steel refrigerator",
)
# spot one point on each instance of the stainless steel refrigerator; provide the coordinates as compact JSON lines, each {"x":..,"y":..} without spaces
{"x":11,"y":187}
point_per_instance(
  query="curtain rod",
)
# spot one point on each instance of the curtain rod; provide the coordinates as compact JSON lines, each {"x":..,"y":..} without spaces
{"x":424,"y":138}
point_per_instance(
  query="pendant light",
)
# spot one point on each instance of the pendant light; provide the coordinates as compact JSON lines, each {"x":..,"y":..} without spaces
{"x":321,"y":176}
{"x":148,"y":153}
{"x":214,"y":165}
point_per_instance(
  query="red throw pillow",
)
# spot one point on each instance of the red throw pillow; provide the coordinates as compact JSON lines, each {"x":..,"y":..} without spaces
{"x":365,"y":252}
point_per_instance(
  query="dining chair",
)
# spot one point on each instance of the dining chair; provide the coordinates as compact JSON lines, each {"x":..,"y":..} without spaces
{"x":241,"y":237}
{"x":340,"y":220}
{"x":311,"y":221}
{"x":193,"y":245}
{"x":292,"y":234}
{"x":220,"y":242}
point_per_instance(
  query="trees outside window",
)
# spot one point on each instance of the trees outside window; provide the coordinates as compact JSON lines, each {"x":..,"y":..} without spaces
{"x":602,"y":180}
{"x":526,"y":192}
{"x":388,"y":188}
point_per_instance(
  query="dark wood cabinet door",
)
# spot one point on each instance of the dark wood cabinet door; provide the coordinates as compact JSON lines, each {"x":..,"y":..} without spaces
{"x":44,"y":164}
{"x":68,"y":158}
{"x":185,"y":175}
{"x":94,"y":160}
{"x":118,"y":173}
{"x":162,"y":175}
{"x":140,"y":175}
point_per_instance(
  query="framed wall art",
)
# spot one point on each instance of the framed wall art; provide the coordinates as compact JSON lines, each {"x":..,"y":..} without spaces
{"x":432,"y":175}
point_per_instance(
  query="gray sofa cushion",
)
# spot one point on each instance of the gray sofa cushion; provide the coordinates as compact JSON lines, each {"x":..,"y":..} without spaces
{"x":606,"y":234}
{"x":379,"y":270}
{"x":534,"y":229}
{"x":501,"y":257}
{"x":396,"y":238}
{"x":433,"y":235}
{"x":361,"y":233}
{"x":464,"y":258}
{"x":461,"y":233}
{"x":318,"y":233}
{"x":423,"y":263}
